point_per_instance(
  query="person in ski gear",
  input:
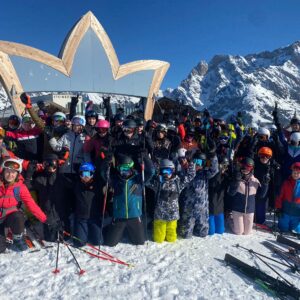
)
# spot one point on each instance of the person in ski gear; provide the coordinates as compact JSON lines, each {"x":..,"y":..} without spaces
{"x":91,"y":118}
{"x":195,"y":207}
{"x":13,"y":193}
{"x":217,"y":186}
{"x":189,"y":143}
{"x":161,"y":144}
{"x":127,"y":183}
{"x":264,"y":172}
{"x":89,"y":206}
{"x":243,"y":190}
{"x":168,"y":186}
{"x":45,"y":182}
{"x":288,"y":202}
{"x":68,"y":172}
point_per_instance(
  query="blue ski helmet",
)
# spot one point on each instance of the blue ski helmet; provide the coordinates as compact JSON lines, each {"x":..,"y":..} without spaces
{"x":87,"y":167}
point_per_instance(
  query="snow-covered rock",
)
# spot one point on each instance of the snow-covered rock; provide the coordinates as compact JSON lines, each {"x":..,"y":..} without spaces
{"x":251,"y":84}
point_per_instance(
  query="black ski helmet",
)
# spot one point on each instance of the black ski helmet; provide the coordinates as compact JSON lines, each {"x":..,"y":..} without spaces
{"x":91,"y":114}
{"x":139,"y":122}
{"x":129,"y":123}
{"x":119,"y":117}
{"x":124,"y":160}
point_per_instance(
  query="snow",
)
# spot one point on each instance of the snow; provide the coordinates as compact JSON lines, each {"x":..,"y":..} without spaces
{"x":186,"y":269}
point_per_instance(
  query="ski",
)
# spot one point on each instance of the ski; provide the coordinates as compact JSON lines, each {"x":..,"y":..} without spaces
{"x":287,"y":256}
{"x":37,"y":238}
{"x":284,"y":240}
{"x":270,"y":284}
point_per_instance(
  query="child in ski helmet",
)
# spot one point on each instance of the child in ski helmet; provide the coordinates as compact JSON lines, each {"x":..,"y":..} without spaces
{"x":288,"y":202}
{"x":168,"y":186}
{"x":243,"y":190}
{"x":13,"y":193}
{"x":127,"y":183}
{"x":195,"y":206}
{"x":88,"y":212}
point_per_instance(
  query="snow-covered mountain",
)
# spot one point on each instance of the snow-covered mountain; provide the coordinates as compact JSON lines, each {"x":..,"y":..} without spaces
{"x":251,"y":84}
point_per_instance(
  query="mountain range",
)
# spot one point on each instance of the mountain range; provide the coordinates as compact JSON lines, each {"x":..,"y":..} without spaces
{"x":250,"y":84}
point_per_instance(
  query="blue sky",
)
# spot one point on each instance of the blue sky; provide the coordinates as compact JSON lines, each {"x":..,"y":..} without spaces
{"x":180,"y":32}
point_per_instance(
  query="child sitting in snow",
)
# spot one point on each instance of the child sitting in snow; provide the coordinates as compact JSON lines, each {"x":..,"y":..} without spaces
{"x":167,"y":187}
{"x":288,"y":202}
{"x":195,"y":205}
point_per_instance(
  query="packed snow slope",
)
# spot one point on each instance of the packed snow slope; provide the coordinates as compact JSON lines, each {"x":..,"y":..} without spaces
{"x":186,"y":269}
{"x":251,"y":84}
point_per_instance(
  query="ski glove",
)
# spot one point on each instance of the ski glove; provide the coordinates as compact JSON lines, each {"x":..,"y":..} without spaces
{"x":26,"y":100}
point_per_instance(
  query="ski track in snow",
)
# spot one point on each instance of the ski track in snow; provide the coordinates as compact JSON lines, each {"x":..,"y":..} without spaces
{"x":187,"y":269}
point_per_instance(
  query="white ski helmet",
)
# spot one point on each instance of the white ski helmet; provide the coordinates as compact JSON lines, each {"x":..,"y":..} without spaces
{"x":264,"y":131}
{"x":59,"y":116}
{"x":13,"y":164}
{"x":78,"y":120}
{"x":181,"y":152}
{"x":295,"y":137}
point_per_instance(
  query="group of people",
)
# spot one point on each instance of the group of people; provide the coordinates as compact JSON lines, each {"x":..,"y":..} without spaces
{"x":183,"y":176}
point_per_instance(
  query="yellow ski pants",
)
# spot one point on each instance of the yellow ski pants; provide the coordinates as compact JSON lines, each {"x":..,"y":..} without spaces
{"x":164,"y":230}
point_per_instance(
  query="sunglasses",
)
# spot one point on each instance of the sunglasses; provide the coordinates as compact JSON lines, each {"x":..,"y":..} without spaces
{"x":128,"y":130}
{"x":198,"y":162}
{"x":247,"y":167}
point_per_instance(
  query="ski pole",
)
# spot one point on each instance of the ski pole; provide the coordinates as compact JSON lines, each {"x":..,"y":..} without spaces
{"x":268,"y":265}
{"x":264,"y":256}
{"x":56,"y":270}
{"x":94,"y":248}
{"x":81,"y":271}
{"x":104,"y":202}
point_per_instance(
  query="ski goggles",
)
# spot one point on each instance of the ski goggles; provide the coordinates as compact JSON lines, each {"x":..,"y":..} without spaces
{"x":78,"y":121}
{"x":294,"y":143}
{"x":247,"y":167}
{"x":50,"y":163}
{"x":12,"y":165}
{"x":86,"y":174}
{"x":126,"y":167}
{"x":58,"y":118}
{"x":264,"y":156}
{"x":166,"y":171}
{"x":224,"y":138}
{"x":128,"y":130}
{"x":26,"y":120}
{"x":198,"y":161}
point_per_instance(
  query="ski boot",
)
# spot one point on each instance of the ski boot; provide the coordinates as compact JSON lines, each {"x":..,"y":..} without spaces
{"x":19,"y":242}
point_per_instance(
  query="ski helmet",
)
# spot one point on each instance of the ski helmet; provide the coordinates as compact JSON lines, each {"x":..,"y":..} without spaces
{"x":139,"y":122}
{"x":265,"y":151}
{"x":13,"y":164}
{"x":26,"y":119}
{"x":166,"y":163}
{"x":124,"y":160}
{"x":101,"y":117}
{"x":91,"y":114}
{"x":295,"y":137}
{"x":247,"y":163}
{"x":59,"y":116}
{"x":295,"y":166}
{"x":162,"y":128}
{"x":119,"y":117}
{"x":14,"y":119}
{"x":102,"y":124}
{"x":78,"y":120}
{"x":87,"y":167}
{"x":224,"y":161}
{"x":264,"y":131}
{"x":129,"y":123}
{"x":181,"y":152}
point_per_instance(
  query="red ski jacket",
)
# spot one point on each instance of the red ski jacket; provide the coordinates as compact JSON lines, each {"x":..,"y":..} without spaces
{"x":289,"y":198}
{"x":9,"y":203}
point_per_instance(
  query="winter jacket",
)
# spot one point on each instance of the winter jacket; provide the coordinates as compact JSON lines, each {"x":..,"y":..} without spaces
{"x":216,"y":192}
{"x":167,"y":194}
{"x":243,"y":193}
{"x":291,"y":155}
{"x":161,"y":148}
{"x":97,"y":144}
{"x":289,"y":199}
{"x":27,"y":142}
{"x":74,"y":142}
{"x":9,"y":203}
{"x":90,"y":130}
{"x":127,"y":198}
{"x":89,"y":200}
{"x":196,"y":194}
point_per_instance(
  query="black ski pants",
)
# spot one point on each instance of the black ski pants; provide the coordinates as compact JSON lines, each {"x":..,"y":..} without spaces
{"x":14,"y":221}
{"x":113,"y":233}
